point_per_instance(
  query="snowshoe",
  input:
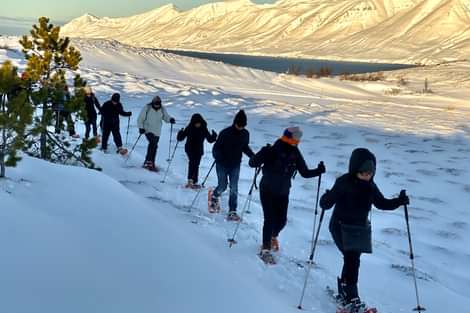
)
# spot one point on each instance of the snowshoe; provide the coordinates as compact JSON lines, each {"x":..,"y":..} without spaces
{"x":274,"y":244}
{"x":122,"y":151}
{"x":151,"y":166}
{"x":75,"y":136}
{"x":213,"y":202}
{"x":97,"y":140}
{"x":233,"y":217}
{"x":267,"y":257}
{"x":355,"y":306}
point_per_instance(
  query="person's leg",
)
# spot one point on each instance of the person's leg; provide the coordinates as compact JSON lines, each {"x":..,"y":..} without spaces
{"x":222,"y":181}
{"x":104,"y":142}
{"x":117,"y":136}
{"x":70,"y":123}
{"x":87,"y":128}
{"x":268,"y":205}
{"x":234,"y":175}
{"x":197,"y":162}
{"x":192,"y":168}
{"x":152,"y":147}
{"x":350,"y":274}
{"x":95,"y":128}
{"x":280,"y":213}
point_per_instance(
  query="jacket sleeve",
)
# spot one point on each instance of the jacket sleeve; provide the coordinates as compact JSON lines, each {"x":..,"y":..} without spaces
{"x":122,"y":112}
{"x":259,"y":158}
{"x":330,"y":197}
{"x":246,"y":148}
{"x":166,"y":117}
{"x":382,"y":203}
{"x":141,"y":118}
{"x":304,"y":171}
{"x":182,"y":134}
{"x":96,"y":103}
{"x":209,"y":136}
{"x":217,"y":148}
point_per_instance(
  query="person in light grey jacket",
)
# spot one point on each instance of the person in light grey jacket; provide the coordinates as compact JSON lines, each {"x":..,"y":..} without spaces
{"x":150,"y":123}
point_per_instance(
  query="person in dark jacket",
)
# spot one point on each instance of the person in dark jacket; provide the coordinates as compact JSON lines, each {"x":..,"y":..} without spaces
{"x":353,"y":195}
{"x":280,"y":161}
{"x":227,"y":152}
{"x":62,"y":113}
{"x":196,"y":132}
{"x":110,"y":112}
{"x":90,"y":103}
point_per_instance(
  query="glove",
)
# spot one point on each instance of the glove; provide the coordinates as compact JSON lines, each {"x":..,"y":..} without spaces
{"x":321,"y":168}
{"x":129,"y":113}
{"x":141,"y":131}
{"x":214,"y":134}
{"x":172,"y":121}
{"x":403,"y":198}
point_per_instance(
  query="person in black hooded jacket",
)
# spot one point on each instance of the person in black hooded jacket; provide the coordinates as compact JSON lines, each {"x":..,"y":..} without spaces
{"x":196,"y":132}
{"x":90,"y":103}
{"x":353,"y":195}
{"x":227,"y":152}
{"x":110,"y":112}
{"x":280,"y":161}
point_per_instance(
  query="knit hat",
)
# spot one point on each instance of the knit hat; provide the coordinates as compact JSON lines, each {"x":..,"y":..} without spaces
{"x":156,"y":100}
{"x":240,"y":119}
{"x":116,"y":97}
{"x":292,"y":135}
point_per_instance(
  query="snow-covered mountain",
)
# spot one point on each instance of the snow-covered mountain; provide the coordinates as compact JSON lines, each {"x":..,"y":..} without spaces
{"x":425,"y":31}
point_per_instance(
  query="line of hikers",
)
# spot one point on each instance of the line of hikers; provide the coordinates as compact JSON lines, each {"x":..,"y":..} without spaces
{"x":352,"y":194}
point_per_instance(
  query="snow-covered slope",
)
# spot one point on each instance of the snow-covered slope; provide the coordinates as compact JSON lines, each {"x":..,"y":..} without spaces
{"x":425,"y":31}
{"x":128,"y":223}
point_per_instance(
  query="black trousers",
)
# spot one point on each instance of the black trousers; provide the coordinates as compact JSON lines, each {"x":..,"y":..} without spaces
{"x":350,"y":273}
{"x":88,"y":124}
{"x":193,"y":167}
{"x":152,"y":147}
{"x":107,"y":130}
{"x":275,"y":215}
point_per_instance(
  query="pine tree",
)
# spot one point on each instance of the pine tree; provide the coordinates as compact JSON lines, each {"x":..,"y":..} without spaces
{"x":50,"y":59}
{"x":16,"y":114}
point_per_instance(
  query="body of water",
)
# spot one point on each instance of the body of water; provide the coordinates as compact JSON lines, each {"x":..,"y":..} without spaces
{"x":282,"y":65}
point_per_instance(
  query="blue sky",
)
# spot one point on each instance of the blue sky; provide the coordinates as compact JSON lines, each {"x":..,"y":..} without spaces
{"x":66,"y":9}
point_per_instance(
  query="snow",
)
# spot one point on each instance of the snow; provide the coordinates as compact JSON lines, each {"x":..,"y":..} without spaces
{"x":121,"y":241}
{"x":396,"y":31}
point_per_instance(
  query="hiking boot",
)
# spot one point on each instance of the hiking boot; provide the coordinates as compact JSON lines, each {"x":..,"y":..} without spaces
{"x":189,"y":184}
{"x":214,"y":204}
{"x":233,"y":216}
{"x":149,"y":165}
{"x":266,"y":256}
{"x":121,"y":151}
{"x":274,"y":244}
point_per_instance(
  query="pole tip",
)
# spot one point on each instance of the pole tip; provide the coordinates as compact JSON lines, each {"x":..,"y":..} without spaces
{"x":299,"y":307}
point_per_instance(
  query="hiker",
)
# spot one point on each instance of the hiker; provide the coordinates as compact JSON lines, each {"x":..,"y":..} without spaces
{"x":227,"y":152}
{"x":110,"y":112}
{"x":62,"y":113}
{"x":90,"y":103}
{"x":280,"y":163}
{"x":353,"y":195}
{"x":196,"y":132}
{"x":150,"y":123}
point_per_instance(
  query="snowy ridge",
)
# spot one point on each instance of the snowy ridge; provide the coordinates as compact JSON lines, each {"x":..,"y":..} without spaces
{"x":407,"y":31}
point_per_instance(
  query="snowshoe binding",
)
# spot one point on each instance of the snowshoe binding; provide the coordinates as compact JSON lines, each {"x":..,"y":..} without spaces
{"x":213,"y":202}
{"x":266,"y":256}
{"x":233,"y":217}
{"x":121,"y":151}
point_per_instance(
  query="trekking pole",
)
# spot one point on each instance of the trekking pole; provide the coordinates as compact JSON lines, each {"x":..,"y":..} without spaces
{"x":133,"y":147}
{"x":169,"y":147}
{"x":232,"y":240}
{"x":200,"y":189}
{"x":169,"y":163}
{"x":316,"y":209}
{"x":418,"y":308}
{"x":310,"y":262}
{"x":128,"y":123}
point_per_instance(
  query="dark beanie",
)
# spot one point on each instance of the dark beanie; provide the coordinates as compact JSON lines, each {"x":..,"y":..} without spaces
{"x":116,"y":97}
{"x":240,"y":119}
{"x":362,"y":160}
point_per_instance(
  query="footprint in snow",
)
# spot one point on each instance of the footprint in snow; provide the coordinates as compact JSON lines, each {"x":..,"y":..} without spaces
{"x":408,"y":271}
{"x":447,"y":235}
{"x":394,"y":231}
{"x":427,"y":172}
